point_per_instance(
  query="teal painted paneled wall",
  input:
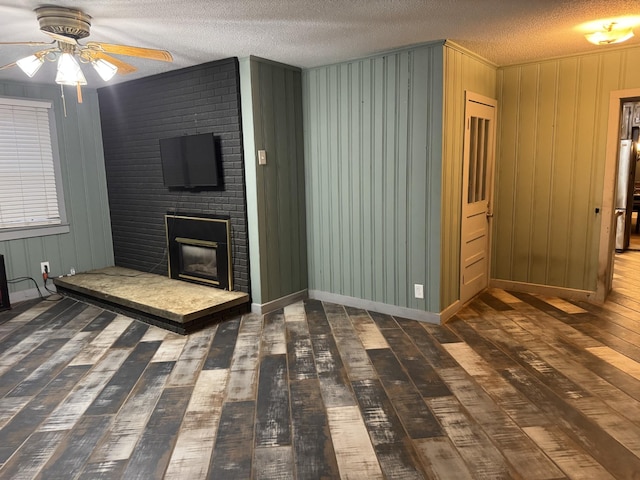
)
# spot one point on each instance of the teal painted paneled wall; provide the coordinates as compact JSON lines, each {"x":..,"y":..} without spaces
{"x":373,"y":152}
{"x":88,"y":245}
{"x":272,"y":121}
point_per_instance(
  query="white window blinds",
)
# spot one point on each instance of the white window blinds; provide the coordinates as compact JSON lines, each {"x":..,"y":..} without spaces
{"x":28,"y":195}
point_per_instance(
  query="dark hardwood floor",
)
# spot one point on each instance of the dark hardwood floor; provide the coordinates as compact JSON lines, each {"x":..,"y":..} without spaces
{"x":515,"y":386}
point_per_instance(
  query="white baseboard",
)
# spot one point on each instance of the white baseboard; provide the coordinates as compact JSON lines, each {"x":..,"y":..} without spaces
{"x":380,"y":307}
{"x":548,"y":290}
{"x":263,"y":308}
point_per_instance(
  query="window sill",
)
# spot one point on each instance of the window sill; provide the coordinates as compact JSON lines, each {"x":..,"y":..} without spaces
{"x":30,"y":232}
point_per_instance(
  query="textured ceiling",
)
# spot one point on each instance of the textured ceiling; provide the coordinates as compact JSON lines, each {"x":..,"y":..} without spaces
{"x":309,"y":33}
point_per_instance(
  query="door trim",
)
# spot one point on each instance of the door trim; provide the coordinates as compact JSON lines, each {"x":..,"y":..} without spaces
{"x":607,"y":230}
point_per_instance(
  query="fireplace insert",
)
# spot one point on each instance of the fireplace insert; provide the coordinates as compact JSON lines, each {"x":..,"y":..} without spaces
{"x":199,"y":249}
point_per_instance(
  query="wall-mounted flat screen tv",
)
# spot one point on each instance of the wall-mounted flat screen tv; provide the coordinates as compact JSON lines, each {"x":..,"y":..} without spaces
{"x":190,"y":161}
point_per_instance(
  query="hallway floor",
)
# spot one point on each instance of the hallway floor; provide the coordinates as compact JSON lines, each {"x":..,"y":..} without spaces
{"x":514,"y":386}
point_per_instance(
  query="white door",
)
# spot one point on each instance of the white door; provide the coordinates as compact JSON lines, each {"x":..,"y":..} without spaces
{"x":477,"y":194}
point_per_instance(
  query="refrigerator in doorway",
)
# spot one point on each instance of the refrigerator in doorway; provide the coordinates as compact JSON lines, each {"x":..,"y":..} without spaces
{"x":627,"y":159}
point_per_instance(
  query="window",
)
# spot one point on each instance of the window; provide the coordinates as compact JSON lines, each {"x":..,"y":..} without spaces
{"x":31,"y":198}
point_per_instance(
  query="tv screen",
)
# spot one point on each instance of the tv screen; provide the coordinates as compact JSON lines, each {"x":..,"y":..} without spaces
{"x":189,"y":161}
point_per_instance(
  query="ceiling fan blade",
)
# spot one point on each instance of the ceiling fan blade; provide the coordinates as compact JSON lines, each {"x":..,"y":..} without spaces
{"x":123,"y":67}
{"x":8,"y":65}
{"x":31,"y":44}
{"x":129,"y":51}
{"x":61,"y":38}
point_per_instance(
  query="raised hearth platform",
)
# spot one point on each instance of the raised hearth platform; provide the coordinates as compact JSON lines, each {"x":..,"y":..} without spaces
{"x":178,"y":306}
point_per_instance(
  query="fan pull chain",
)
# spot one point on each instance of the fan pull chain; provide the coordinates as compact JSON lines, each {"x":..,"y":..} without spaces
{"x":64,"y":104}
{"x":79,"y":93}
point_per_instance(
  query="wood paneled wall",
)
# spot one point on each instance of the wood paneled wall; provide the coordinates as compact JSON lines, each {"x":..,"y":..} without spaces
{"x":272,"y":121}
{"x":373,"y":151}
{"x":550,"y":165}
{"x":88,"y":244}
{"x":463,"y":71}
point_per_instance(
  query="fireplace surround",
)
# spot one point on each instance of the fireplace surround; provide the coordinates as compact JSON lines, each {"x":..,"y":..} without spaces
{"x":199,"y":248}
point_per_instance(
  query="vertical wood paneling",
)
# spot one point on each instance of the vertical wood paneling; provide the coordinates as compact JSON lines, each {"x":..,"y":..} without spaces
{"x":373,"y":150}
{"x":88,"y":244}
{"x":364,"y":135}
{"x":524,"y":184}
{"x":462,"y":72}
{"x":277,"y":225}
{"x":551,"y":160}
{"x":543,"y":175}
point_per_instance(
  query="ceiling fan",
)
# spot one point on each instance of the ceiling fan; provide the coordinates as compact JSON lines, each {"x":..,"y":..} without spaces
{"x":66,"y":26}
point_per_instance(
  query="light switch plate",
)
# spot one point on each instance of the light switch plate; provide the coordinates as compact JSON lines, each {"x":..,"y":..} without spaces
{"x":418,"y":290}
{"x":262,"y":157}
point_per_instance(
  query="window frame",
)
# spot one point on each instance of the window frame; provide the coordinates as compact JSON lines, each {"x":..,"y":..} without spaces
{"x":14,"y":233}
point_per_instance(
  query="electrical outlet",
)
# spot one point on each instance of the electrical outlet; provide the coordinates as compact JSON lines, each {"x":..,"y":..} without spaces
{"x":418,"y":290}
{"x":45,"y":264}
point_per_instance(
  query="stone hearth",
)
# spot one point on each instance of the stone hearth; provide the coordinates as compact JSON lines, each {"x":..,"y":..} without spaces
{"x":178,"y":306}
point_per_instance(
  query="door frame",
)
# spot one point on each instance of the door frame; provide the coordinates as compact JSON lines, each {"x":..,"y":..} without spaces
{"x":470,"y":96}
{"x":607,"y":227}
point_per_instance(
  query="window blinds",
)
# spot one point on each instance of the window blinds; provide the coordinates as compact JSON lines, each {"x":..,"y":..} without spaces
{"x":28,"y":194}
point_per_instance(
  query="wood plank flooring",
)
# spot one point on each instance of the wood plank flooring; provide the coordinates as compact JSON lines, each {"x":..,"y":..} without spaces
{"x":515,"y":386}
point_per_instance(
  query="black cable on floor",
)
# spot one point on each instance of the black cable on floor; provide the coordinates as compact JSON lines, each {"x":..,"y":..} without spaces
{"x":23,"y":279}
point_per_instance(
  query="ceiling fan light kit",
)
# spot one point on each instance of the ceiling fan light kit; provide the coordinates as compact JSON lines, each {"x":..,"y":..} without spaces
{"x":69,"y":72}
{"x":31,"y":64}
{"x":105,"y":69}
{"x":66,"y":26}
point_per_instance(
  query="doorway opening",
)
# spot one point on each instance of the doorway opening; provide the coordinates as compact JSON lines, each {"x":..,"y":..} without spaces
{"x":606,"y":255}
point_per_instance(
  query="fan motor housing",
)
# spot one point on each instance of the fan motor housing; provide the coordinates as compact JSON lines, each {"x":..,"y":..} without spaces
{"x":64,"y":21}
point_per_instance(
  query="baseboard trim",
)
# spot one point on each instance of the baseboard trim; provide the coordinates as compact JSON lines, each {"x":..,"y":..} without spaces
{"x":410,"y":313}
{"x":450,"y":311}
{"x":549,"y":290}
{"x":278,"y":303}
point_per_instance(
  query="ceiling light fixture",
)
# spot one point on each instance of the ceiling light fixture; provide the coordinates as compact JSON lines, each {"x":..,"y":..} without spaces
{"x":68,"y":71}
{"x":610,"y":33}
{"x":66,"y":26}
{"x":105,"y":69}
{"x":31,"y":64}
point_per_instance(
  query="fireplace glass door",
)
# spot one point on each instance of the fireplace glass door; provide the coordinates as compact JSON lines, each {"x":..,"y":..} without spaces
{"x":198,"y":259}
